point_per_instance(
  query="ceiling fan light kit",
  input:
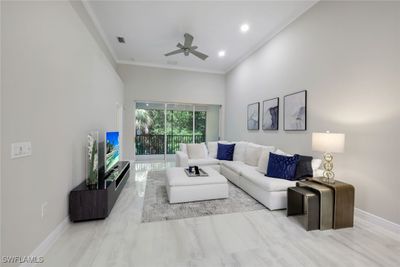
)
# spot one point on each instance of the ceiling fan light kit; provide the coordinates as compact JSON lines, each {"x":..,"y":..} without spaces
{"x":186,"y":48}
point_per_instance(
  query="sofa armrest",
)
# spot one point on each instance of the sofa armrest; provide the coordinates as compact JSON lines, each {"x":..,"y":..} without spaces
{"x":181,"y":159}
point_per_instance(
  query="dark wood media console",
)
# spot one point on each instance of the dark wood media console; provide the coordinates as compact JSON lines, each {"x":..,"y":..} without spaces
{"x":91,"y":204}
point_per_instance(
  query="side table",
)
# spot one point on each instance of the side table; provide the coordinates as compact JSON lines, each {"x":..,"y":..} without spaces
{"x":343,"y":208}
{"x":302,"y":201}
{"x":326,"y":202}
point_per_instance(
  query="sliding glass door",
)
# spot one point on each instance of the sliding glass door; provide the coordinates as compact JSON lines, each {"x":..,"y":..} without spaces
{"x":179,"y":127}
{"x":150,"y":131}
{"x":161,"y":127}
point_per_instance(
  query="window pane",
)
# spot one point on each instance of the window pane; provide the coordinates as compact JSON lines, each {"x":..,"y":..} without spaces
{"x":149,"y":139}
{"x":200,"y":126}
{"x":179,"y":126}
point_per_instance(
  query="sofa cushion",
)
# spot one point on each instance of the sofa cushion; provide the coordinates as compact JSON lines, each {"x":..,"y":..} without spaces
{"x":315,"y":164}
{"x":252,"y":154}
{"x":283,"y":167}
{"x":240,"y":151}
{"x":212,"y":149}
{"x":267,"y":183}
{"x":183,"y":148}
{"x":236,"y":166}
{"x":283,"y":153}
{"x":197,"y":151}
{"x":225,"y":151}
{"x":203,"y":162}
{"x":264,"y":158}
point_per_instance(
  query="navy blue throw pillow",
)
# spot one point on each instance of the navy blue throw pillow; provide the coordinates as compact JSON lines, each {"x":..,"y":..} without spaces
{"x":283,"y":167}
{"x":225,"y":151}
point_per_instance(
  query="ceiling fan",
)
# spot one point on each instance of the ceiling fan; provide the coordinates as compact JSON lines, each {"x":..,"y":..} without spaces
{"x":187,"y":48}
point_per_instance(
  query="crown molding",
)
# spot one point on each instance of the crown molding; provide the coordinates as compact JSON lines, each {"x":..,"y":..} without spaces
{"x":99,"y":29}
{"x":154,"y":65}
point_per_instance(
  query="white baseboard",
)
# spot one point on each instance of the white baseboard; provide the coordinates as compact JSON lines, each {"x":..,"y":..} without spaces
{"x":46,"y":244}
{"x":377,"y":220}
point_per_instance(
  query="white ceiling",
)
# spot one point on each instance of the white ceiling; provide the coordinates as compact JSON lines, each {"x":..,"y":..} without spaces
{"x":153,"y":28}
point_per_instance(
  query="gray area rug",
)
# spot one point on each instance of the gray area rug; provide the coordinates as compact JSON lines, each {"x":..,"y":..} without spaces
{"x":157,"y":208}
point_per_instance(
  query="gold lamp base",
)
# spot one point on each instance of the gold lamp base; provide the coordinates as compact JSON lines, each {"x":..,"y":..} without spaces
{"x":328,"y":175}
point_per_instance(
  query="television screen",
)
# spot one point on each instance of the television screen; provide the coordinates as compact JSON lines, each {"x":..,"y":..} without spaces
{"x":112,"y":150}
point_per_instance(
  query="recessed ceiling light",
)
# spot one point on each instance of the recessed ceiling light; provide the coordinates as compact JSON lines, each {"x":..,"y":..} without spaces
{"x":221,"y":53}
{"x":244,"y":27}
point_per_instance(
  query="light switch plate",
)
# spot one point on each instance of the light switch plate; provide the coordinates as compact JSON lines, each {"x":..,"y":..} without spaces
{"x":19,"y":150}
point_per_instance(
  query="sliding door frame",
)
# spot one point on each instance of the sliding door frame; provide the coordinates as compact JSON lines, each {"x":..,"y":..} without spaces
{"x":165,"y":120}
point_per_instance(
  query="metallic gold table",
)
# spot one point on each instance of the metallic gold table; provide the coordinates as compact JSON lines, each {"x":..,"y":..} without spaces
{"x":326,"y":200}
{"x":343,"y":208}
{"x":305,"y":203}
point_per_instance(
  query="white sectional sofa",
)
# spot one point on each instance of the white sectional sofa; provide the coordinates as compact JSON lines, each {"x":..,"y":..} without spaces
{"x":247,"y":171}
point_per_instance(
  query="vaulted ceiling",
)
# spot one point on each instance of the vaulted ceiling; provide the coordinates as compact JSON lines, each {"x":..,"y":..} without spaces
{"x":151,"y":29}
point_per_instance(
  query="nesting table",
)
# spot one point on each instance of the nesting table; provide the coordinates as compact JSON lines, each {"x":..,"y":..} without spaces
{"x":336,"y":203}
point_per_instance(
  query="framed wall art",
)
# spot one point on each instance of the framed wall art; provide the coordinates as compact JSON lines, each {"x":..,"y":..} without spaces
{"x":253,"y":111}
{"x":270,"y":111}
{"x":295,"y":111}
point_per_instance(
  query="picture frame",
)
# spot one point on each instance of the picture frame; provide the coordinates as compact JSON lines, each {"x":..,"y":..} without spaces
{"x":295,"y":111}
{"x":253,"y":114}
{"x":270,"y":111}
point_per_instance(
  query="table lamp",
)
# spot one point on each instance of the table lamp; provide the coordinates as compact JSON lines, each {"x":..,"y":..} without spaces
{"x":328,"y":143}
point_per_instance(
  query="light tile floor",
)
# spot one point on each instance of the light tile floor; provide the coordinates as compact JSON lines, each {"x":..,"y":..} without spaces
{"x":257,"y":238}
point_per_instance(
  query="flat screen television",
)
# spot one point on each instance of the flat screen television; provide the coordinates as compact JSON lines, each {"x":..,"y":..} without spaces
{"x":112,"y":150}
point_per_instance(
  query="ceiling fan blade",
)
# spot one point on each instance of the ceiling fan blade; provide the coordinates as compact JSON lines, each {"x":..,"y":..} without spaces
{"x":198,"y":54}
{"x":179,"y":45}
{"x":174,"y":52}
{"x":188,"y":40}
{"x":194,"y":47}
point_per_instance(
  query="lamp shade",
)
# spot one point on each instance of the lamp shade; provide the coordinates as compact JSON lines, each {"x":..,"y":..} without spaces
{"x":328,"y":142}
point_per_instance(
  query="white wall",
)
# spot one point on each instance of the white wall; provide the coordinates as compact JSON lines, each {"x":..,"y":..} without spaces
{"x":166,"y":85}
{"x":346,"y":54}
{"x":1,"y":144}
{"x":57,"y":85}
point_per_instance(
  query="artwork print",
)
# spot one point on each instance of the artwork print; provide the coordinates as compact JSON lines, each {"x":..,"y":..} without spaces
{"x":270,"y":114}
{"x":92,"y":159}
{"x":253,"y":111}
{"x":295,"y":111}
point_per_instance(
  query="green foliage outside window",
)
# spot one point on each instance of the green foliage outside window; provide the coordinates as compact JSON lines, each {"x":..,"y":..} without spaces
{"x":151,"y":122}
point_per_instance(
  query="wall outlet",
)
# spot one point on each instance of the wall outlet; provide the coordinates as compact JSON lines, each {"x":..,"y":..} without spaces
{"x":19,"y":150}
{"x":44,"y":209}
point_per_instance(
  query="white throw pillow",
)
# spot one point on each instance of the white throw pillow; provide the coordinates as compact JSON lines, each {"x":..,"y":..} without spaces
{"x":183,"y":148}
{"x":264,"y":158}
{"x":252,"y":154}
{"x":212,"y":149}
{"x":205,"y":150}
{"x":282,"y":153}
{"x":239,"y":153}
{"x":197,"y":151}
{"x":315,"y":164}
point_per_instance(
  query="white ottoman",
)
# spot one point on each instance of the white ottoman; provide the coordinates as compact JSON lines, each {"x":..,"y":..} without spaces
{"x":181,"y":188}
